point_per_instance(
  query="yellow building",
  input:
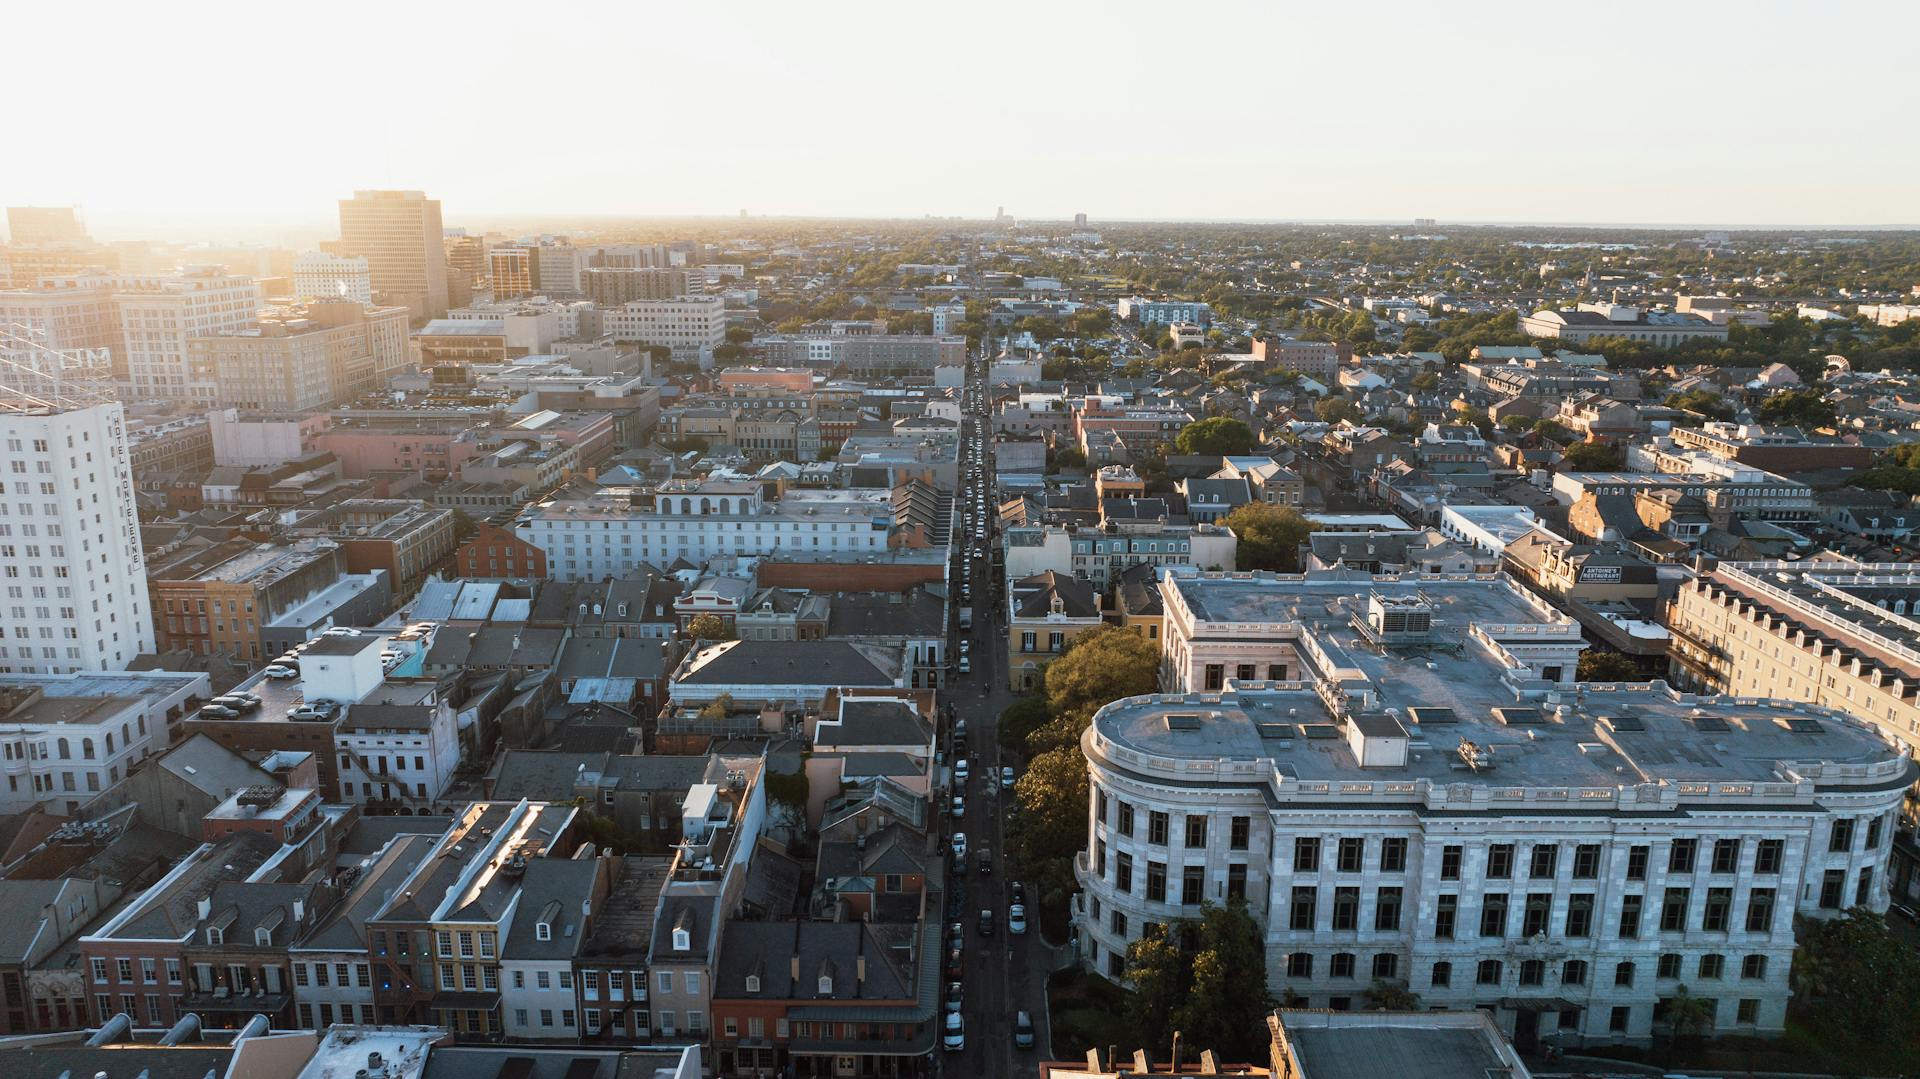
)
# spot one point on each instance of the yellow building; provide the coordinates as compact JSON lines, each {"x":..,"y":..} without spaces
{"x":1045,"y":611}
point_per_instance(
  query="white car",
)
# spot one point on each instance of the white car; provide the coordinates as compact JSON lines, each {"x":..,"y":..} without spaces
{"x":277,"y":671}
{"x":962,"y":768}
{"x":959,"y":806}
{"x":960,"y":845}
{"x":955,"y":1037}
{"x":1017,"y":919}
{"x":1006,"y":777}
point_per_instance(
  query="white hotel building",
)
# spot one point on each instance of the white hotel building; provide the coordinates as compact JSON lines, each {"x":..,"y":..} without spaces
{"x":611,"y":534}
{"x":1405,"y":784}
{"x":73,"y":579}
{"x":692,"y":326}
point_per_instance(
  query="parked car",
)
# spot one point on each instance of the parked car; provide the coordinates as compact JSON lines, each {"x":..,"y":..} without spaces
{"x":965,"y":667}
{"x":956,"y":935}
{"x":986,"y":923}
{"x":961,"y":768}
{"x":960,"y":844}
{"x":1022,"y":1030}
{"x":216,"y":711}
{"x":955,"y":1037}
{"x":1017,"y":919}
{"x":956,"y":964}
{"x":986,"y":861}
{"x":281,"y":671}
{"x":954,"y":997}
{"x":1006,"y":777}
{"x":959,"y":806}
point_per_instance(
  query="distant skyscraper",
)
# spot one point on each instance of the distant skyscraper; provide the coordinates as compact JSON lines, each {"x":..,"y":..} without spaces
{"x":512,"y":272}
{"x":399,"y":234}
{"x":320,"y":276}
{"x":71,"y":545}
{"x":45,"y":225}
{"x":1080,"y":220}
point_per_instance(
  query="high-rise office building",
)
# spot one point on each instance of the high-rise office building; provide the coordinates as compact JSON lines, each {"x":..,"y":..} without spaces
{"x":511,"y":270}
{"x":399,"y":234}
{"x":306,"y":358}
{"x":159,"y":315}
{"x":45,"y":225}
{"x":318,"y":275}
{"x":72,"y":576}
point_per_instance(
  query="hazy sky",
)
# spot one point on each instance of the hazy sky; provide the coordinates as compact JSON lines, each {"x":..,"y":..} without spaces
{"x":1678,"y":111}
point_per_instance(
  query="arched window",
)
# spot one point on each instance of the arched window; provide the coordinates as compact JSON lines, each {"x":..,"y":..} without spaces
{"x":723,"y":505}
{"x":706,"y":506}
{"x":109,"y":743}
{"x":86,"y":748}
{"x":686,"y":506}
{"x":66,"y":751}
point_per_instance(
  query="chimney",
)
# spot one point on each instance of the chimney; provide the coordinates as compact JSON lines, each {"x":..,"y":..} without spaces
{"x":1176,"y":1053}
{"x":860,"y":969}
{"x":1209,"y":1062}
{"x":1140,"y":1062}
{"x":795,"y":970}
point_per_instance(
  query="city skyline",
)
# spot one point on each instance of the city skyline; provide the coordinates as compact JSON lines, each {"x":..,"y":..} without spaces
{"x":1508,"y":115}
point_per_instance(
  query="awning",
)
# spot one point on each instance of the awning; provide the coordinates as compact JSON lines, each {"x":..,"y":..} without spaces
{"x":1537,"y":1004}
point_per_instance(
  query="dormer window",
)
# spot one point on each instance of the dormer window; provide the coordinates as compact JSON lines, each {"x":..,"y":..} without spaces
{"x":263,"y":936}
{"x":543,"y":931}
{"x":214,"y":936}
{"x":682,"y":940}
{"x":753,"y":983}
{"x":826,"y":985}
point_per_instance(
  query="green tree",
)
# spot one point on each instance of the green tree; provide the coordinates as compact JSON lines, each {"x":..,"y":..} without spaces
{"x":1069,"y":457}
{"x":1426,"y":382}
{"x":1219,"y":436}
{"x":1101,"y":666}
{"x":738,"y":335}
{"x":716,"y":709}
{"x":1335,"y":409}
{"x":1269,"y":536}
{"x":1801,"y":408}
{"x":1703,"y":402}
{"x":1608,"y":667}
{"x":1553,"y":431}
{"x":1023,"y":717}
{"x":709,"y":627}
{"x":1204,"y":977}
{"x":1592,"y":457}
{"x":1859,"y":981}
{"x":1392,"y":996}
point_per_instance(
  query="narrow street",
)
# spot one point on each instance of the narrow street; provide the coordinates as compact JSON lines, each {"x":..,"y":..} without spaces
{"x":1005,"y":973}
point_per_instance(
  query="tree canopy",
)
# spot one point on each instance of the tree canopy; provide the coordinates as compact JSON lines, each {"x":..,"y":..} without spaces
{"x":1270,"y":536}
{"x":1802,"y":408}
{"x":1860,"y":982}
{"x":1592,"y":457}
{"x":1608,"y":667}
{"x":1109,"y":663}
{"x":709,"y":627}
{"x":1220,"y":435}
{"x":1207,"y":979}
{"x":1335,"y":409}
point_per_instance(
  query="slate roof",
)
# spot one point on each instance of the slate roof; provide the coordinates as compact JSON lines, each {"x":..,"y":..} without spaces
{"x":881,"y":721}
{"x":551,"y":891}
{"x":1033,"y":596}
{"x":344,"y":927}
{"x":173,"y":913}
{"x":831,"y":663}
{"x":829,"y":950}
{"x":919,"y":613}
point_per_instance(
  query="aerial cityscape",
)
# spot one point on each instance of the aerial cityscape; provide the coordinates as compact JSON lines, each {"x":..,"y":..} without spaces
{"x":1248,"y":587}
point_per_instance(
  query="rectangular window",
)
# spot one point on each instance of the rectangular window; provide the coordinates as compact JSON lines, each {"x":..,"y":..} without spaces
{"x":1393,"y":854}
{"x":1545,"y":861}
{"x":1533,"y":921}
{"x":1301,"y":911}
{"x":1500,"y":861}
{"x":1840,"y":836}
{"x":1346,"y":908}
{"x":1450,"y":863}
{"x":1748,"y":1010}
{"x":1157,"y":882}
{"x":1618,"y":1019}
{"x":1196,"y":832}
{"x":1240,"y":834}
{"x":1493,"y":915}
{"x":1341,"y":965}
{"x":1306,"y":854}
{"x":1352,"y":853}
{"x":1623,"y":974}
{"x":1637,"y":863}
{"x":1300,"y":965}
{"x":1753,"y":968}
{"x":1726,"y":855}
{"x":1673,"y":910}
{"x":1580,"y":914}
{"x":1719,"y":910}
{"x":1768,"y":856}
{"x":1236,"y":881}
{"x":1488,"y":973}
{"x":1126,"y":820}
{"x":1192,"y":885}
{"x":1586,"y":861}
{"x":1713,"y":967}
{"x":1386,"y":909}
{"x":1157,"y":828}
{"x":1630,"y":917}
{"x":1123,"y":873}
{"x":1760,"y":910}
{"x":1445,"y":912}
{"x":1669,"y":966}
{"x":1680,"y":856}
{"x":1832,"y":883}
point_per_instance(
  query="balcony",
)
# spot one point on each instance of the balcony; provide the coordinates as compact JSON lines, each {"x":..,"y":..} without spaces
{"x":224,"y":1001}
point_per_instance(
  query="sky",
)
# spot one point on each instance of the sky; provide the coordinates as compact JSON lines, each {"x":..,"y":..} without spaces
{"x":220,"y":117}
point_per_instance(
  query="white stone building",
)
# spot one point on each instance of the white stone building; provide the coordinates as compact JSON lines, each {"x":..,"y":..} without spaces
{"x":159,"y":314}
{"x":1415,"y":803}
{"x":692,"y":326}
{"x":318,"y":275}
{"x":608,"y":536}
{"x":64,"y":738}
{"x":73,"y":594}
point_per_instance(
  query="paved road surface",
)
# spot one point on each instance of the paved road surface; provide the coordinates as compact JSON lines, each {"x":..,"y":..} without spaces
{"x":1005,"y":973}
